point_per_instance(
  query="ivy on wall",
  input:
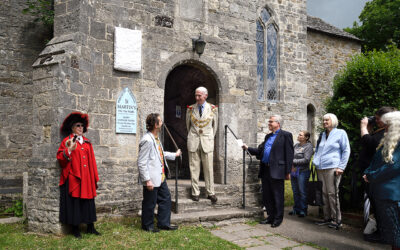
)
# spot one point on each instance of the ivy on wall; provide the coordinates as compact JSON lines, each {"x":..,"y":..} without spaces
{"x":42,"y":10}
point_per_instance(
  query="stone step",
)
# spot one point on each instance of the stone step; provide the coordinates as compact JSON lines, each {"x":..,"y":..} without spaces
{"x":184,"y":189}
{"x":188,"y":205}
{"x":215,"y":215}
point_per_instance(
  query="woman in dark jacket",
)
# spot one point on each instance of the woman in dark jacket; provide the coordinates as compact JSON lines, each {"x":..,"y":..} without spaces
{"x":301,"y":173}
{"x":78,"y":180}
{"x":383,"y":176}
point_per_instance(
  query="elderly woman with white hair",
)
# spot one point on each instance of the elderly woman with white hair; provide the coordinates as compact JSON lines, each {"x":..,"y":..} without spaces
{"x":383,"y":176}
{"x":330,"y":158}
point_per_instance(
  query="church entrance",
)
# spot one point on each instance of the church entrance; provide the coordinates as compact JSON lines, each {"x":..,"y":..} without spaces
{"x":180,"y":88}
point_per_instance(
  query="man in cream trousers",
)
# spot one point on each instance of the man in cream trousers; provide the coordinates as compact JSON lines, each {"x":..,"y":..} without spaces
{"x":153,"y":168}
{"x":201,"y":123}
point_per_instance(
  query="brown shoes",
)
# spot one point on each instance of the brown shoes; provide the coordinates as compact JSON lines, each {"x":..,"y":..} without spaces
{"x":195,"y":197}
{"x":213,"y":198}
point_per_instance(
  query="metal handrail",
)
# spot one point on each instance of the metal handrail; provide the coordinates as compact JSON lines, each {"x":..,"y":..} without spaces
{"x":244,"y":162}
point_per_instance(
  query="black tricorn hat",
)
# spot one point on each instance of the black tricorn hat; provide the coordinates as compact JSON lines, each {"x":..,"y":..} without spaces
{"x":71,"y":119}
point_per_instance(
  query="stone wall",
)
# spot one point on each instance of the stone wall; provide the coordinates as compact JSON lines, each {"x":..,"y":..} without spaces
{"x":327,"y":54}
{"x":75,"y":72}
{"x":78,"y":75}
{"x":21,"y":40}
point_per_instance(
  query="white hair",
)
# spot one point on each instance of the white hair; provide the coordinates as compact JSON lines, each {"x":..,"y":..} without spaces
{"x":392,"y":136}
{"x":333,"y":119}
{"x":278,"y":119}
{"x":202,"y":89}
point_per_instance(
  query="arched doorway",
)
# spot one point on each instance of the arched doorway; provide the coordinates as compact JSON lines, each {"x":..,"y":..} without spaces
{"x":180,"y":87}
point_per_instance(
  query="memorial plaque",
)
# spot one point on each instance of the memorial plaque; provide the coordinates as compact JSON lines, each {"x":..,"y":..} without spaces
{"x":126,"y":113}
{"x":127,"y":50}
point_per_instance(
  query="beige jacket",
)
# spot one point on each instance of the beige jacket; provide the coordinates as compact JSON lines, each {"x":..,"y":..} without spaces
{"x":202,"y":129}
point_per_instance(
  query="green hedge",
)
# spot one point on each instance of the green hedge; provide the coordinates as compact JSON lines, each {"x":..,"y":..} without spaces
{"x":368,"y":82}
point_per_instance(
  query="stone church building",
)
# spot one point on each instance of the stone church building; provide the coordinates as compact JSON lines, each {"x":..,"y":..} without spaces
{"x":260,"y":58}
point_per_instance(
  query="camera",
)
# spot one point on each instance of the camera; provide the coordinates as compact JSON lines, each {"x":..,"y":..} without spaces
{"x":371,"y":120}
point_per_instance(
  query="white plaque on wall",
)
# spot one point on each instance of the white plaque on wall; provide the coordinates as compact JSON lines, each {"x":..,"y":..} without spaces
{"x":127,"y":50}
{"x":126,"y":113}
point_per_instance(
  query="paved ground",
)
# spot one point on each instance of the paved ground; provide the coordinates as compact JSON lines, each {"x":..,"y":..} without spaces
{"x":295,"y":233}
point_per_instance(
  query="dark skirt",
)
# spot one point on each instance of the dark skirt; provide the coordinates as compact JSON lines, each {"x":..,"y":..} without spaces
{"x":74,"y":211}
{"x":388,"y":213}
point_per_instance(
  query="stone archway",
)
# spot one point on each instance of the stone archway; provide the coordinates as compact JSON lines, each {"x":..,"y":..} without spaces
{"x":180,"y":86}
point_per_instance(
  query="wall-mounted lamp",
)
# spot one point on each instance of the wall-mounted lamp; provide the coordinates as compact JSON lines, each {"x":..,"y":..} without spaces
{"x":198,"y":45}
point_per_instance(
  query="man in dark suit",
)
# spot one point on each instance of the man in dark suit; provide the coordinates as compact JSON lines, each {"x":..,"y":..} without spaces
{"x":276,"y":158}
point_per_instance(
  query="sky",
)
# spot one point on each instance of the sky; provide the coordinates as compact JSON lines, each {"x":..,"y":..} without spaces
{"x":339,"y":13}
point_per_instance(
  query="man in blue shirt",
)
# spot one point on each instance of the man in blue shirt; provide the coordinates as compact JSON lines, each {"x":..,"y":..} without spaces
{"x":276,"y":154}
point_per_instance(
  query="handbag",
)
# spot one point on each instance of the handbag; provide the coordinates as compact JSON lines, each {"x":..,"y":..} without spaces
{"x":314,"y":188}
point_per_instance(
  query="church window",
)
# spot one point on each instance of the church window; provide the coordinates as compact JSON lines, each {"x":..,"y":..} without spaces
{"x":267,"y":57}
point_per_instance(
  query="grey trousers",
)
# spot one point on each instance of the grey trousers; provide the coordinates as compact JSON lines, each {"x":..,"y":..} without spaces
{"x":330,"y":193}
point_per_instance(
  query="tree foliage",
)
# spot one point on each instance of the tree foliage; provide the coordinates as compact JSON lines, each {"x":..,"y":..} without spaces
{"x":368,"y":82}
{"x":43,"y":10}
{"x":380,"y":24}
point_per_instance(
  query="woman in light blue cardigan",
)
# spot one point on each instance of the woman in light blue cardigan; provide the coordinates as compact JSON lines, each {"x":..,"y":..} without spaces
{"x":330,"y":158}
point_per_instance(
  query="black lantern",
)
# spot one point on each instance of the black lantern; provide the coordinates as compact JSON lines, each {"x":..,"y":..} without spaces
{"x":198,"y":45}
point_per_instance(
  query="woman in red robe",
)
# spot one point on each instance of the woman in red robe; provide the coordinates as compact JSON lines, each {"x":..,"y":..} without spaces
{"x":78,"y":181}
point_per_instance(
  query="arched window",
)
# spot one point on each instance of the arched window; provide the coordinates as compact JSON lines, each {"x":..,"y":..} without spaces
{"x":267,"y":57}
{"x":311,"y":122}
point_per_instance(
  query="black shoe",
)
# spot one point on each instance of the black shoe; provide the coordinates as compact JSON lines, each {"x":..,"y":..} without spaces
{"x":169,"y":228}
{"x":195,"y":197}
{"x":375,"y":237}
{"x":151,"y":230}
{"x":76,"y":232}
{"x":323,"y":223}
{"x":213,"y":198}
{"x":335,"y":225}
{"x":276,"y":224}
{"x":301,"y":214}
{"x":292,"y":212}
{"x":92,"y":230}
{"x":267,"y":221}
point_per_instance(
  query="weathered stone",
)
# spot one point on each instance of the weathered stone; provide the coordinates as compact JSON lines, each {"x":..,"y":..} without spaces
{"x":75,"y":72}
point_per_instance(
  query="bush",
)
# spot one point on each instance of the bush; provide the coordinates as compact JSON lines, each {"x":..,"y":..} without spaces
{"x":368,"y":82}
{"x":16,"y":209}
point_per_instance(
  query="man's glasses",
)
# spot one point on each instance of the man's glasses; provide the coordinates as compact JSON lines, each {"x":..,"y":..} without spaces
{"x":79,"y":125}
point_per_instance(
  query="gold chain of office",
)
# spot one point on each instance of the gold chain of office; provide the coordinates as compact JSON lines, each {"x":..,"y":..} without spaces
{"x":200,"y":123}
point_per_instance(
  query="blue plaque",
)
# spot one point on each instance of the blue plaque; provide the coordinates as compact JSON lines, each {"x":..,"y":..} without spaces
{"x":126,"y":114}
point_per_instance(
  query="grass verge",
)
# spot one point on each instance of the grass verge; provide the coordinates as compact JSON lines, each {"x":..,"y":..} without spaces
{"x":116,"y":234}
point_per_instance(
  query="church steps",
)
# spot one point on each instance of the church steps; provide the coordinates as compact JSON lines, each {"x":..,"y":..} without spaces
{"x":215,"y":216}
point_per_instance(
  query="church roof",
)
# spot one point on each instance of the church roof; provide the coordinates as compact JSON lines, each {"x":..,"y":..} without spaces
{"x":319,"y":25}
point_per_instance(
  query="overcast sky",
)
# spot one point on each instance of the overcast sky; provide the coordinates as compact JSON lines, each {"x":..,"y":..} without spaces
{"x":340,"y":13}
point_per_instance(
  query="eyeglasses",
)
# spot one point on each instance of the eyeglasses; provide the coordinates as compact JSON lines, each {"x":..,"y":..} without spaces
{"x":271,"y":121}
{"x":78,"y":125}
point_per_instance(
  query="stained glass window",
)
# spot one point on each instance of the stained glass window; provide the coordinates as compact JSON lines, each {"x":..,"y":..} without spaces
{"x":272,"y":62}
{"x":260,"y":61}
{"x":267,"y":57}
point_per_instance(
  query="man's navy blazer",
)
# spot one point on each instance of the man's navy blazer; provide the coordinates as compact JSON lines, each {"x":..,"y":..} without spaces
{"x":280,"y":157}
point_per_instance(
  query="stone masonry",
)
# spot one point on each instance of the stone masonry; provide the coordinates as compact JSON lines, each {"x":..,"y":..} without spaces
{"x":328,"y":52}
{"x":75,"y":72}
{"x":21,"y":40}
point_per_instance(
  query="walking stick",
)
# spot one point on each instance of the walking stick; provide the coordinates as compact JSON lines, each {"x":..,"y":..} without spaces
{"x":178,"y":164}
{"x":170,"y":136}
{"x":336,"y":200}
